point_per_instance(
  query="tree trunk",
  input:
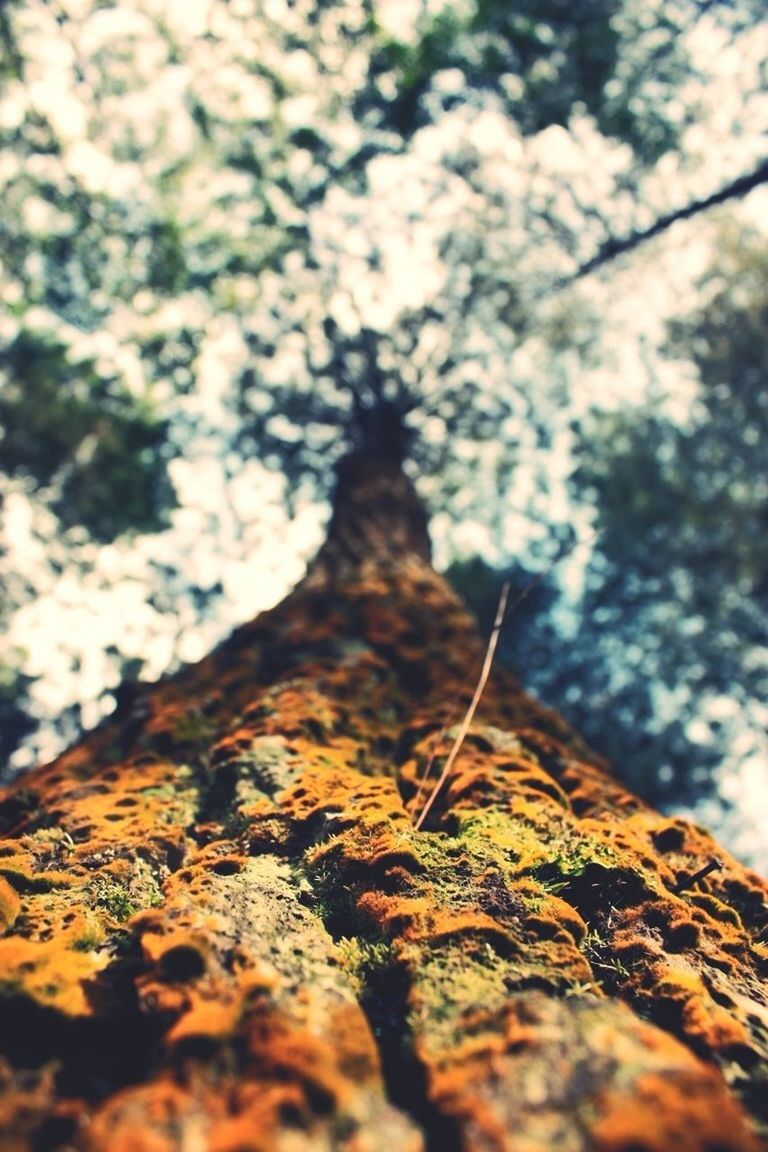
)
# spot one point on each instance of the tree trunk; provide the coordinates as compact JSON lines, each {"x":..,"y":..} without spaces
{"x":222,"y":931}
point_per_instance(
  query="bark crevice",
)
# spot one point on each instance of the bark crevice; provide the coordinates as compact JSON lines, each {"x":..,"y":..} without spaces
{"x":384,"y":1000}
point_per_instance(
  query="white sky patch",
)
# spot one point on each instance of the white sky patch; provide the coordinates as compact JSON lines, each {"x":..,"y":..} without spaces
{"x":13,"y":103}
{"x":117,"y":24}
{"x":398,"y":18}
{"x":401,"y":19}
{"x":98,"y":172}
{"x":188,"y":18}
{"x":223,"y":351}
{"x":24,"y":542}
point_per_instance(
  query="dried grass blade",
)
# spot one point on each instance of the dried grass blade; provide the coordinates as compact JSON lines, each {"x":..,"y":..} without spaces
{"x":485,"y":672}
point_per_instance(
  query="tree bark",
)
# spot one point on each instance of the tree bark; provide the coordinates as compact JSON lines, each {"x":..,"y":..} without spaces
{"x":223,"y":933}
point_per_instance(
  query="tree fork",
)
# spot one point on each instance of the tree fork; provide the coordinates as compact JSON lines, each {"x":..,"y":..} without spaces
{"x":222,"y":930}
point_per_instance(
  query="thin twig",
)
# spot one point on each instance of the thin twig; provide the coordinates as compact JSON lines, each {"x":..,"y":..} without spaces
{"x":437,"y":740}
{"x":470,"y":714}
{"x":616,"y":246}
{"x":688,"y":881}
{"x":501,"y":614}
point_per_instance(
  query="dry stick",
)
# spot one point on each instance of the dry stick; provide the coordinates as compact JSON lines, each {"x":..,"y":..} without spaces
{"x":501,"y":613}
{"x":484,"y":674}
{"x":439,"y":739}
{"x":436,"y":742}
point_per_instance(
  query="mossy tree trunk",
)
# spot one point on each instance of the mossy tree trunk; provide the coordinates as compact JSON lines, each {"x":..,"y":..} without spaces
{"x":221,"y":931}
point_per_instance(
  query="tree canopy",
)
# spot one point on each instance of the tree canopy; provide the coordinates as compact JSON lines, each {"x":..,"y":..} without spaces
{"x":241,"y":238}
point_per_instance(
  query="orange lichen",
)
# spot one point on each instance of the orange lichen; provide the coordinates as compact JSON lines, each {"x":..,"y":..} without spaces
{"x":684,"y":1110}
{"x":10,"y":905}
{"x":629,"y":1085}
{"x":55,"y":973}
{"x":31,"y":1116}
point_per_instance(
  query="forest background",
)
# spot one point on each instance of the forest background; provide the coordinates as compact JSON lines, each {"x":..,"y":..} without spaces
{"x":236,"y":235}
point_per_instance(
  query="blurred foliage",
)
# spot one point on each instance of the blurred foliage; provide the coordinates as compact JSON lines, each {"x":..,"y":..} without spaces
{"x":529,"y":639}
{"x":16,"y":723}
{"x":666,"y":668}
{"x":695,"y":497}
{"x":684,"y":511}
{"x":344,"y":390}
{"x":67,"y":428}
{"x":10,"y":61}
{"x":547,"y":59}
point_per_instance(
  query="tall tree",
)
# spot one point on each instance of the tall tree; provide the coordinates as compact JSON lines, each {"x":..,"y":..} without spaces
{"x":223,"y":929}
{"x":191,"y":196}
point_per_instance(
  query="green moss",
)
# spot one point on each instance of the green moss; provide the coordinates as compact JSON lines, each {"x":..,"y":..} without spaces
{"x":161,"y":791}
{"x":235,"y":826}
{"x":574,"y":859}
{"x":608,"y":969}
{"x":194,"y":728}
{"x":364,"y":958}
{"x":451,"y":981}
{"x":549,"y":883}
{"x":121,"y":900}
{"x":114,"y":900}
{"x":88,"y":941}
{"x":586,"y":988}
{"x":593,"y":941}
{"x":496,"y":834}
{"x":155,"y":896}
{"x":613,"y":967}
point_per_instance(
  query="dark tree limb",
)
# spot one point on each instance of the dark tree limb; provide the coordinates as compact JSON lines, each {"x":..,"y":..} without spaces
{"x":616,"y":246}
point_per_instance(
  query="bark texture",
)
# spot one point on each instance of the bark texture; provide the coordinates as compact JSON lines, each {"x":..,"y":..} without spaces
{"x":219,"y":931}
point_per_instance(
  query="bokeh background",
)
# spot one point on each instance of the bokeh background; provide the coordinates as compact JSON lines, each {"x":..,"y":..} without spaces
{"x":237,"y":233}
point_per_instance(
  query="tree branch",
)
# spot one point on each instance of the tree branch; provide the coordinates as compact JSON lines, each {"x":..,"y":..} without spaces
{"x":615,"y":246}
